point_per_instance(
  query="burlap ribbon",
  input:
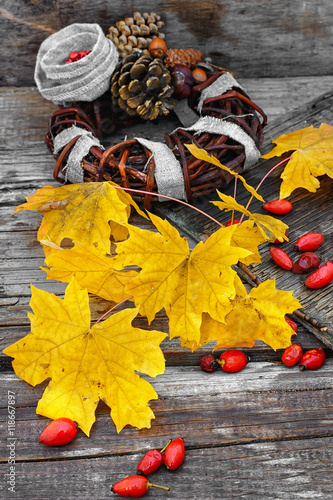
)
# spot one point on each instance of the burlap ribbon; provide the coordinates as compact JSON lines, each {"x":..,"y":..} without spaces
{"x":168,"y":171}
{"x":73,"y":170}
{"x":82,"y":80}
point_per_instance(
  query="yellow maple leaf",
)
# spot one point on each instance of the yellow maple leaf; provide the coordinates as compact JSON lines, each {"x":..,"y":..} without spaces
{"x":185,"y":283}
{"x":312,"y":157}
{"x":92,"y":268}
{"x":250,"y":237}
{"x":257,"y":315}
{"x":203,"y":155}
{"x":269,"y":227}
{"x":80,"y":212}
{"x":88,"y":363}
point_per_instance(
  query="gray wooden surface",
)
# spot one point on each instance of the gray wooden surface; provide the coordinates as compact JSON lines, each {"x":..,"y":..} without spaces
{"x":265,"y":432}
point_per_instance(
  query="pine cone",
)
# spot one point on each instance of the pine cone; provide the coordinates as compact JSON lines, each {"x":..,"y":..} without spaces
{"x":135,"y":32}
{"x":141,"y":86}
{"x":187,"y":57}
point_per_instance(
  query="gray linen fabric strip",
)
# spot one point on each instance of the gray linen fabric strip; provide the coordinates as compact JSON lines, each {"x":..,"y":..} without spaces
{"x":214,"y":125}
{"x":83,"y":80}
{"x":73,"y":170}
{"x":168,"y":171}
{"x":224,"y":83}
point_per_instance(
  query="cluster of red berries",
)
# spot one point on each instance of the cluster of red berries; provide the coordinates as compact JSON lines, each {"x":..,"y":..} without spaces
{"x":230,"y":361}
{"x":309,"y":261}
{"x":75,"y":56}
{"x":313,"y":359}
{"x":172,"y":455}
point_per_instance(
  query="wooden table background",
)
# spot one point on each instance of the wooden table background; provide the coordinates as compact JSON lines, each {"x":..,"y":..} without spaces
{"x":265,"y":432}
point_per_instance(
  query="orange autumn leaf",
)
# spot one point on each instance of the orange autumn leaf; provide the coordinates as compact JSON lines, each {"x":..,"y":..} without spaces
{"x":80,"y":212}
{"x":257,"y":315}
{"x":312,"y":157}
{"x":88,"y":363}
{"x":186,"y":284}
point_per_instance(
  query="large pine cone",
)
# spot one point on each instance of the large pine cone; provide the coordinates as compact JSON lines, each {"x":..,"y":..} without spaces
{"x":135,"y":32}
{"x":142,"y":86}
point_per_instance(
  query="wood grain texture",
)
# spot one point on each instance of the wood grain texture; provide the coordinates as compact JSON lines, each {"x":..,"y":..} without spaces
{"x":265,"y":432}
{"x":255,"y":39}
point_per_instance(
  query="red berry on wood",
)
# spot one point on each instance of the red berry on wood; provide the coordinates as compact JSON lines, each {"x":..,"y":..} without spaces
{"x":292,"y":355}
{"x":309,"y":242}
{"x":279,"y":207}
{"x":151,"y":461}
{"x":174,"y":454}
{"x":59,"y":432}
{"x":231,"y":222}
{"x":281,"y":258}
{"x":134,"y":486}
{"x":209,"y":363}
{"x":313,"y":359}
{"x":321,"y":277}
{"x":233,"y":361}
{"x":307,"y":262}
{"x":292,"y":323}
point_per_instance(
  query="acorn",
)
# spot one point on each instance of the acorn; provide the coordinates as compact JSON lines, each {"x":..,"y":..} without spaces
{"x":157,"y":48}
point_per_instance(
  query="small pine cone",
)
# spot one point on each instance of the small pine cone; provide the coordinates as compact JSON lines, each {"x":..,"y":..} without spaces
{"x":141,"y":86}
{"x":135,"y":32}
{"x":186,"y":57}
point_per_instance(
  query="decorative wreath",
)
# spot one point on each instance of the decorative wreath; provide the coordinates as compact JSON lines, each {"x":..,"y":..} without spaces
{"x":102,"y":82}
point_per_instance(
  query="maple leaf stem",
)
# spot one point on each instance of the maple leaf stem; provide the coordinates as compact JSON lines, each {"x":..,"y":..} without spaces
{"x":272,"y":170}
{"x":112,"y":309}
{"x":262,"y":180}
{"x":131,"y":190}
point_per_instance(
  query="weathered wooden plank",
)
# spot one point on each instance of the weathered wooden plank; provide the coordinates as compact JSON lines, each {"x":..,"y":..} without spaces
{"x":20,"y":106}
{"x":259,"y":39}
{"x":285,"y":469}
{"x":270,"y":403}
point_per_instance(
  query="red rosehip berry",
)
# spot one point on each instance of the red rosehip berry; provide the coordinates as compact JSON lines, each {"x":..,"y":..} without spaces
{"x":313,"y":359}
{"x":309,"y":242}
{"x":292,"y":324}
{"x":174,"y":454}
{"x":281,"y":258}
{"x":134,"y":486}
{"x":279,"y":207}
{"x":232,"y":222}
{"x":321,"y":277}
{"x":306,"y":263}
{"x":233,"y":361}
{"x":151,"y":461}
{"x":209,"y":363}
{"x":292,"y":355}
{"x":59,"y":432}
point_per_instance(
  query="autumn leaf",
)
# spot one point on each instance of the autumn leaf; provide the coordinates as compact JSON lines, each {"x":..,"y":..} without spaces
{"x":86,"y":364}
{"x":269,"y":227}
{"x":80,"y":211}
{"x":250,"y":237}
{"x":258,"y":315}
{"x":92,"y":268}
{"x":203,"y":155}
{"x":312,"y":157}
{"x":184,"y":283}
